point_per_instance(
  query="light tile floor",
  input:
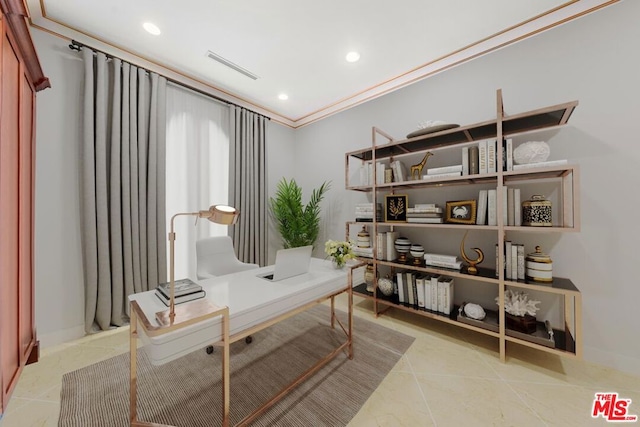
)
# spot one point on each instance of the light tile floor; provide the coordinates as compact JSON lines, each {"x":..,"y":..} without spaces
{"x":449,"y":377}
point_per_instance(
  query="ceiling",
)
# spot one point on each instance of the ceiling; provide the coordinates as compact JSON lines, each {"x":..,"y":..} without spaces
{"x":299,"y":47}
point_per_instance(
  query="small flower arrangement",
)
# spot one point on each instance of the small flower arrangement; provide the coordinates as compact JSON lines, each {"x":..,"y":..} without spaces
{"x":339,"y":251}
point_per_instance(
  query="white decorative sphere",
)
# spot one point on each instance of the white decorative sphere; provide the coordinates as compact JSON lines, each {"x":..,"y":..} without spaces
{"x":531,"y":152}
{"x":474,"y":311}
{"x":385,"y":286}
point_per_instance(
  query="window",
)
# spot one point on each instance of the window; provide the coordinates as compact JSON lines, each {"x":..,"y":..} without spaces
{"x":197,"y":169}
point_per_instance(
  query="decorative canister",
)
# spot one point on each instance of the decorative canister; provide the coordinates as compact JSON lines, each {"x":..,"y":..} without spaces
{"x":364,"y":239}
{"x":417,"y":252}
{"x":403,"y":245}
{"x":537,"y":212}
{"x":538,"y":266}
{"x":369,"y":277}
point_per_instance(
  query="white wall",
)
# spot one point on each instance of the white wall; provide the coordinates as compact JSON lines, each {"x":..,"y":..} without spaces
{"x":594,"y":60}
{"x":58,"y":259}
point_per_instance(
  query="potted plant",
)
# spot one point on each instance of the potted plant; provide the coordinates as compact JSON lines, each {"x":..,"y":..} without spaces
{"x":298,"y":224}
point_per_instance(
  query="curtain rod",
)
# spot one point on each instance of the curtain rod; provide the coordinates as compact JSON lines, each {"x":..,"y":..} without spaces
{"x":77,"y":46}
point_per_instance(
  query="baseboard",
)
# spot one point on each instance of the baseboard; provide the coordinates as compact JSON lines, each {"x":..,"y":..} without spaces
{"x":612,"y":360}
{"x":60,"y":337}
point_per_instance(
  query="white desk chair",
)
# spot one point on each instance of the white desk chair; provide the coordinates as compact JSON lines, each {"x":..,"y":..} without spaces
{"x":215,"y":257}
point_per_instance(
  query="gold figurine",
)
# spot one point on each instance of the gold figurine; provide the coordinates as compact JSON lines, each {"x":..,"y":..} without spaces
{"x":416,"y":170}
{"x":472,"y":263}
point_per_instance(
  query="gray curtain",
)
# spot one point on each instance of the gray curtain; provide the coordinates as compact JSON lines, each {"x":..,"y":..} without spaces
{"x":123,"y":186}
{"x":247,"y":184}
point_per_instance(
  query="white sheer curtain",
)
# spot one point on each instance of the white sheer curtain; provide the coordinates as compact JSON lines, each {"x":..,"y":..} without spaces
{"x":197,"y":169}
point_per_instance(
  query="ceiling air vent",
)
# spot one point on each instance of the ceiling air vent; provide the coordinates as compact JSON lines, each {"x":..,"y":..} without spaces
{"x":231,"y":65}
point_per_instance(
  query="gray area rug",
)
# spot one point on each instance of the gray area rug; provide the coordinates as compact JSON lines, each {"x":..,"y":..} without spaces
{"x":187,"y":391}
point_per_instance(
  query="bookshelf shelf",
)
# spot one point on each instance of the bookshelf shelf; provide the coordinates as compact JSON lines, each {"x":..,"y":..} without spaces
{"x":561,"y":177}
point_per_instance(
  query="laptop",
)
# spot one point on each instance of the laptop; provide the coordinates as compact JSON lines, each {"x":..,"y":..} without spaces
{"x":289,"y":263}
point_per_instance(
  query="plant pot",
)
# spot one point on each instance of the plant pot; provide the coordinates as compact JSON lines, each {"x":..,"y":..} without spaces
{"x":526,"y":324}
{"x":337,"y":265}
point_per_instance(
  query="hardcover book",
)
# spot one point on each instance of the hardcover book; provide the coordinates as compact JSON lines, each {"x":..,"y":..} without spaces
{"x":444,"y":169}
{"x":420,"y":220}
{"x":473,"y":160}
{"x":481,"y":217}
{"x":182,"y":287}
{"x":540,"y":164}
{"x":517,"y":212}
{"x":492,"y":218}
{"x":181,"y":299}
{"x":510,"y":207}
{"x":465,"y":160}
{"x":482,"y":157}
{"x":509,"y":147}
{"x":491,"y":156}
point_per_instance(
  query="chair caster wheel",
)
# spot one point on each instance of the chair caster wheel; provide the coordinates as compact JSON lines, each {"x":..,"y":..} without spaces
{"x":248,"y":339}
{"x":209,"y":349}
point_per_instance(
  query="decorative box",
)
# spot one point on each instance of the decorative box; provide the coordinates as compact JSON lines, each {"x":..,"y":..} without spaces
{"x":525,"y":324}
{"x":538,"y":266}
{"x":537,"y":212}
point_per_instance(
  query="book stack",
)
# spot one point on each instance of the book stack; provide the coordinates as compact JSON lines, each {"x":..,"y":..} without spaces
{"x":514,"y":261}
{"x":364,"y":212}
{"x":479,"y":158}
{"x":487,"y":213}
{"x":546,"y":164}
{"x":362,"y":252}
{"x":441,"y":260}
{"x":399,"y":171}
{"x":425,"y":213}
{"x":425,"y":291}
{"x":185,"y":290}
{"x":443,"y":172}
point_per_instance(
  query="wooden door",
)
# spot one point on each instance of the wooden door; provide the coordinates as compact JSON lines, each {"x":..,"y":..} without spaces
{"x":9,"y":212}
{"x":20,"y":78}
{"x":26,"y":193}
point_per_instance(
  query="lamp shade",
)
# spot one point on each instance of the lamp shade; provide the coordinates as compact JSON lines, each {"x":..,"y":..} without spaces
{"x":221,"y":214}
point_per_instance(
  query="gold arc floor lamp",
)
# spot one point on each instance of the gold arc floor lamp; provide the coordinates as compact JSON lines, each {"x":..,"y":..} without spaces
{"x":219,"y":214}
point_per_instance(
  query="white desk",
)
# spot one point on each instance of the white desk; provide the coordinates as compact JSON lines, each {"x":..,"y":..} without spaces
{"x":253,"y":304}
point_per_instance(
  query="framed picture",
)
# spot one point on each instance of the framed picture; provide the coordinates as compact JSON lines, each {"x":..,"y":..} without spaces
{"x":462,"y":212}
{"x":395,"y":208}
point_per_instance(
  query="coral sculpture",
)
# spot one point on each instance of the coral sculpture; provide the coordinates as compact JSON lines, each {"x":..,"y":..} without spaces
{"x":531,"y":152}
{"x":519,"y":304}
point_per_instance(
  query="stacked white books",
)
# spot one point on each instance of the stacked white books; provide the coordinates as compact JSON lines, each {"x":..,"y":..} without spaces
{"x":424,"y":291}
{"x":442,"y":260}
{"x":184,"y":290}
{"x":514,"y":260}
{"x":425,"y":213}
{"x":362,"y":252}
{"x":443,"y":172}
{"x":487,"y":212}
{"x":480,"y":158}
{"x":364,"y":212}
{"x":546,"y":164}
{"x":399,"y":171}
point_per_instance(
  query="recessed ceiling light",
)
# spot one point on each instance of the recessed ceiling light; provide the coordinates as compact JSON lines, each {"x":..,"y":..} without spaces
{"x":353,"y":56}
{"x":151,"y":28}
{"x":283,"y":96}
